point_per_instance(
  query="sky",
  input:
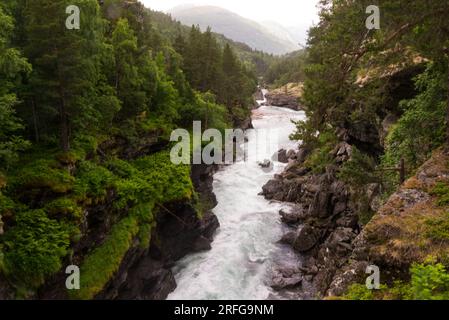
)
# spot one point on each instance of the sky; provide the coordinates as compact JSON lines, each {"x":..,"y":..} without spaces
{"x":286,"y":12}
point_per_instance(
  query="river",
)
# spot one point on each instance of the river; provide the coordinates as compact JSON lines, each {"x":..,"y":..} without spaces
{"x":245,"y":247}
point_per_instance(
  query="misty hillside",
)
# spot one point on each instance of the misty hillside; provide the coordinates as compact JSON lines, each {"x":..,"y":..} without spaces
{"x":234,"y":27}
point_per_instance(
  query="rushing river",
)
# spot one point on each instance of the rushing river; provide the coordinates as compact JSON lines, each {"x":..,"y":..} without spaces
{"x":245,"y":246}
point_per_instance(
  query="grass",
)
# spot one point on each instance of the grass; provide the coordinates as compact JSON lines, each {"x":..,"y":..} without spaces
{"x":103,"y":262}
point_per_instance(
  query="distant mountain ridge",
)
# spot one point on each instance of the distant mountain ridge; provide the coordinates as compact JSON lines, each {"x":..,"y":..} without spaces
{"x":235,"y":27}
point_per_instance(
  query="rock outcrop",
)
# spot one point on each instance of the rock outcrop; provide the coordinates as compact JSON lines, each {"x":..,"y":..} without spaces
{"x":326,"y":234}
{"x":400,"y":233}
{"x":287,"y":96}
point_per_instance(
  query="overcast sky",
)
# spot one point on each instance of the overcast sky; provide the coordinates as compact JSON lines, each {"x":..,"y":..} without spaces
{"x":285,"y":12}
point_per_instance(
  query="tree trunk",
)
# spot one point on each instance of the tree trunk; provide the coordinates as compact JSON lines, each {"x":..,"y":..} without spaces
{"x":64,"y":134}
{"x":447,"y":108}
{"x":64,"y":124}
{"x":35,"y":121}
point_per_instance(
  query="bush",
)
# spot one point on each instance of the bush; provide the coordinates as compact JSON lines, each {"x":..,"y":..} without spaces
{"x":429,"y":282}
{"x":92,"y":181}
{"x":321,"y":156}
{"x":64,"y":206}
{"x":421,"y":129}
{"x":441,"y":191}
{"x":438,"y":228}
{"x":359,"y":170}
{"x":43,"y":173}
{"x":34,"y":247}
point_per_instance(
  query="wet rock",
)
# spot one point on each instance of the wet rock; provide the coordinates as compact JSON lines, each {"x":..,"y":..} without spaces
{"x":306,"y":238}
{"x":289,"y":238}
{"x":296,"y":215}
{"x":265,"y":164}
{"x":348,"y":221}
{"x":321,"y":206}
{"x":273,"y":189}
{"x":353,"y":273}
{"x":301,"y":155}
{"x":289,"y":217}
{"x":284,"y":278}
{"x":280,"y":156}
{"x":291,"y":154}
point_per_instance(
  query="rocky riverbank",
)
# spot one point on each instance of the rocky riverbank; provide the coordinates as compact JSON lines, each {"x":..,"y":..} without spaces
{"x":325,"y":231}
{"x":287,"y":96}
{"x":322,"y":223}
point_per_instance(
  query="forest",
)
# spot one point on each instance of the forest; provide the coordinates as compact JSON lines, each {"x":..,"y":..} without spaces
{"x":86,"y":116}
{"x":85,"y":122}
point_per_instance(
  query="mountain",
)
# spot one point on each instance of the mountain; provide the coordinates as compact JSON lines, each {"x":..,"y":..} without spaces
{"x":235,"y":27}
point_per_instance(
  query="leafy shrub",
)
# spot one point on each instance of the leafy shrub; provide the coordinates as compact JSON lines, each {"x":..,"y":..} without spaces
{"x":64,"y":206}
{"x":359,"y":170}
{"x":321,"y":156}
{"x":43,"y":173}
{"x":429,"y":282}
{"x":421,"y":129}
{"x":34,"y":247}
{"x":441,"y":190}
{"x":92,"y":181}
{"x":438,"y":229}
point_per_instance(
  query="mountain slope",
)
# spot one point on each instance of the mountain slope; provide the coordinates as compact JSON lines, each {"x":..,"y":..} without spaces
{"x":234,"y":27}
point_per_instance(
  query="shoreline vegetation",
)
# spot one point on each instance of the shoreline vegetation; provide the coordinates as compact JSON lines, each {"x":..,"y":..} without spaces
{"x":85,"y":172}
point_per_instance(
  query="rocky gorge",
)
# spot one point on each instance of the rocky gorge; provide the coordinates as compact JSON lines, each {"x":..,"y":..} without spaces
{"x":333,"y":246}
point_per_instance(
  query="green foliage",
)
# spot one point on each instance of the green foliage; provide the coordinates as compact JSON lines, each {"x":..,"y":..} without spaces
{"x":64,"y":207}
{"x":102,"y":263}
{"x":321,"y":156}
{"x":438,"y":228}
{"x":441,"y":191}
{"x":12,"y":64}
{"x":359,"y":292}
{"x":429,"y":282}
{"x":286,"y":69}
{"x":34,"y":247}
{"x":92,"y":181}
{"x":205,"y":109}
{"x":421,"y":129}
{"x":359,"y":170}
{"x":43,"y":173}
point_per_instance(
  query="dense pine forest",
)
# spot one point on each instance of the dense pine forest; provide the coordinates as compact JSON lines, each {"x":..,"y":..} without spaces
{"x":85,"y":173}
{"x":85,"y":118}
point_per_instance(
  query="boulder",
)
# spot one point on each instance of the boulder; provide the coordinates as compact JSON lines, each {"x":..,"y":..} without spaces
{"x":291,"y":154}
{"x":280,"y":156}
{"x":306,"y":238}
{"x":272,"y":189}
{"x":285,"y":278}
{"x":265,"y":164}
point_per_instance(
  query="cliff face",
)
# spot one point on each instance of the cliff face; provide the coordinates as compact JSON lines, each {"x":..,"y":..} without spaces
{"x":409,"y":228}
{"x":334,"y":248}
{"x":145,"y":273}
{"x":287,"y":96}
{"x":126,"y":251}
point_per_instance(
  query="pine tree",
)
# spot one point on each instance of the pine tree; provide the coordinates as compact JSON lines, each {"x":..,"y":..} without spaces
{"x":66,"y":64}
{"x":12,"y":65}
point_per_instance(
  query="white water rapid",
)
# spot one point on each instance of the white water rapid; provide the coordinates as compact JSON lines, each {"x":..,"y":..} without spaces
{"x":245,"y":246}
